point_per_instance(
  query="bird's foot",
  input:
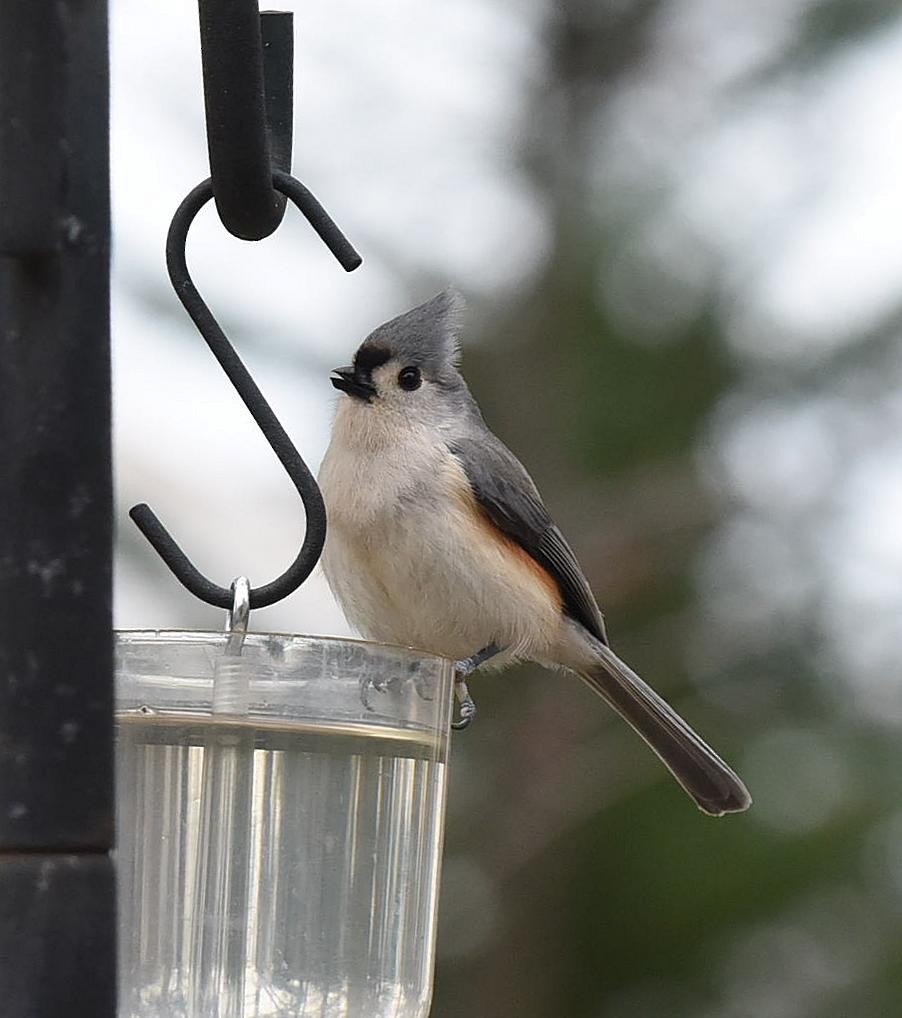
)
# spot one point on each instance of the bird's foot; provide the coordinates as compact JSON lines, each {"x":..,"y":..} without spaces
{"x":380,"y":684}
{"x":467,"y":704}
{"x":462,"y":671}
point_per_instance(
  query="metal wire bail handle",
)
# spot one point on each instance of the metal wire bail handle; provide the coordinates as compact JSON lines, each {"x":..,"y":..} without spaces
{"x":144,"y":517}
{"x":239,"y":615}
{"x":232,"y":672}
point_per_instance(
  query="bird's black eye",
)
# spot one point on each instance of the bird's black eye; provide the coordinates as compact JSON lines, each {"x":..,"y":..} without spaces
{"x":410,"y":378}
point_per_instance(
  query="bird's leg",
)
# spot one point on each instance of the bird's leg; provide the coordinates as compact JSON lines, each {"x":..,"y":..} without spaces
{"x":462,"y":671}
{"x":465,"y":668}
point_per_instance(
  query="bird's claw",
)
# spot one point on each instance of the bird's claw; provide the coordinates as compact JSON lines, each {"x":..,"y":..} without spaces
{"x":467,"y":705}
{"x":380,"y":684}
{"x":462,"y":671}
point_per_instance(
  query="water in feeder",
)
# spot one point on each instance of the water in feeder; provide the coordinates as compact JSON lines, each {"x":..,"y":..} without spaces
{"x":283,"y":861}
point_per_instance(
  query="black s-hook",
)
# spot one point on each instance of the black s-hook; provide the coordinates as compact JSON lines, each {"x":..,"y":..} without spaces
{"x":240,"y":99}
{"x":247,"y":389}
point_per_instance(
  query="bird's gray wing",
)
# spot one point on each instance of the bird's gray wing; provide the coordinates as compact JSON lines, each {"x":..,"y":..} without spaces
{"x":507,"y":495}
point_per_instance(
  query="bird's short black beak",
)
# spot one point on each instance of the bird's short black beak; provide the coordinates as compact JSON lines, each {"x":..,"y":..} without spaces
{"x":350,"y":382}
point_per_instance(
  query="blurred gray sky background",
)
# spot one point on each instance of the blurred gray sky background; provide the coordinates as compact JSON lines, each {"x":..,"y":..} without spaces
{"x":677,"y":225}
{"x":406,"y":125}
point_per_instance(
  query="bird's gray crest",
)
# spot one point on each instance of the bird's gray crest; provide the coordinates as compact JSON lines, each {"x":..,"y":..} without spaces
{"x":426,"y":336}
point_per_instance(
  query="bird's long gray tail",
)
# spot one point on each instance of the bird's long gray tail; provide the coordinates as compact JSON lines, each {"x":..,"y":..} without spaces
{"x":714,"y":786}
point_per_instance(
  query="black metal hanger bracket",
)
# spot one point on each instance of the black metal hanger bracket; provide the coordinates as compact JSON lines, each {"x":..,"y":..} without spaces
{"x":248,"y":98}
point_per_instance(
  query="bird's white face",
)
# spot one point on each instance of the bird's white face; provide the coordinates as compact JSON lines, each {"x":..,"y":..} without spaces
{"x":390,"y":398}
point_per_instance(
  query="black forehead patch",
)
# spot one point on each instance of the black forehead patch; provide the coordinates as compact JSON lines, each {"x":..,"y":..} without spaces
{"x":369,"y":357}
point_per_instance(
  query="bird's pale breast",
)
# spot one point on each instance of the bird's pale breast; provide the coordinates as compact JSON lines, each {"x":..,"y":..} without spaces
{"x":413,"y":560}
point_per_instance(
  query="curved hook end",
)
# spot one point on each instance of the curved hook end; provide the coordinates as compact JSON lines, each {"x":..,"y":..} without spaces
{"x":150,"y":526}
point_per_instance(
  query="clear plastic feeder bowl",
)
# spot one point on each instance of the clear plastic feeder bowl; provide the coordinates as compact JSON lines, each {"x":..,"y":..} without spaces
{"x":280,"y":817}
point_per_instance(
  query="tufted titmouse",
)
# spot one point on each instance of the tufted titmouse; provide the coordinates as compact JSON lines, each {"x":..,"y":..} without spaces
{"x":438,"y":539}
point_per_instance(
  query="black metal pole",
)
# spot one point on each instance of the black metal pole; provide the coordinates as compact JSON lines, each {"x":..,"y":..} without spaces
{"x":57,"y":893}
